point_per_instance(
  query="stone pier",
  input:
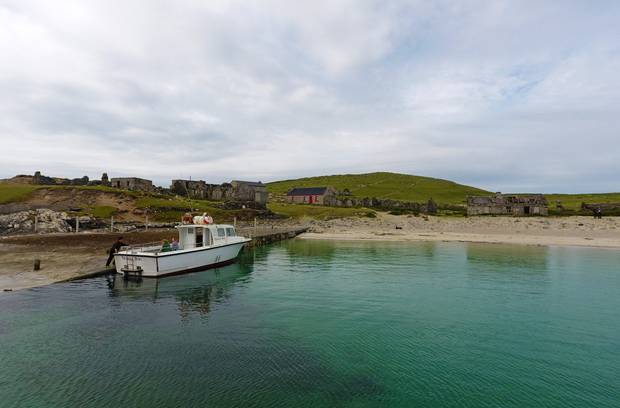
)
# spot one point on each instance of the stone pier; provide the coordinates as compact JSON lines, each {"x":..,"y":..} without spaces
{"x":263,"y":236}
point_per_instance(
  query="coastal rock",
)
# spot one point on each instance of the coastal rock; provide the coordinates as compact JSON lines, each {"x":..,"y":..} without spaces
{"x":24,"y":222}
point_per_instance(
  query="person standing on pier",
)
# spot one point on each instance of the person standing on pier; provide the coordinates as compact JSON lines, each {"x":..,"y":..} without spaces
{"x":115,"y":248}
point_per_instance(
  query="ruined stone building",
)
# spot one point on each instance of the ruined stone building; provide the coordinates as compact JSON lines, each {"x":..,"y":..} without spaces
{"x":500,"y":204}
{"x":41,"y":180}
{"x":311,"y":195}
{"x":132,"y":183}
{"x":250,"y":191}
{"x":105,"y":181}
{"x":235,"y":191}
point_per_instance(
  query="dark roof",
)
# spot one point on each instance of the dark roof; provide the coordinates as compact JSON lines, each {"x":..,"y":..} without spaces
{"x":307,"y":191}
{"x":250,"y":183}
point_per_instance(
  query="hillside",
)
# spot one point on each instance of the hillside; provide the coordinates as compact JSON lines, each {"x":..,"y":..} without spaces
{"x":103,"y":202}
{"x":403,"y":187}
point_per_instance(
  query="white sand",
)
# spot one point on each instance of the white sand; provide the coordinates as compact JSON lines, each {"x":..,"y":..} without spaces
{"x":570,"y":231}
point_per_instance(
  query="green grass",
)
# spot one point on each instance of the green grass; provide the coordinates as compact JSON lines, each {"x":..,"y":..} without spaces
{"x":102,"y":211}
{"x":318,"y":212}
{"x":172,"y":209}
{"x":573,"y":201}
{"x":394,"y":186}
{"x":15,"y":192}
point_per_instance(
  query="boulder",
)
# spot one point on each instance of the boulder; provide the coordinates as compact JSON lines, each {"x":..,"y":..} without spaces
{"x":24,"y":222}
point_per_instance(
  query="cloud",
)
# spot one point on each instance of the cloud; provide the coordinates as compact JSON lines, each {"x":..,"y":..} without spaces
{"x":507,"y":95}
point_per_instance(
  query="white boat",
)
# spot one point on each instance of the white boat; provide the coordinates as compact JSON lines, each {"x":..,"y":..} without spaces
{"x":200,"y":246}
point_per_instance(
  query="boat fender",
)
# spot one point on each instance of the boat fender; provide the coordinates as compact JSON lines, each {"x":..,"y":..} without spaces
{"x":187,"y":218}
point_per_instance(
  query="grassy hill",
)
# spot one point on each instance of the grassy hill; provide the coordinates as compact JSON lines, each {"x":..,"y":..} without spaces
{"x":403,"y":187}
{"x":573,"y":201}
{"x":103,"y":202}
{"x":381,"y":185}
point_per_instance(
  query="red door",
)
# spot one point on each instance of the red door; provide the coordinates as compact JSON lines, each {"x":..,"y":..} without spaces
{"x":310,"y":200}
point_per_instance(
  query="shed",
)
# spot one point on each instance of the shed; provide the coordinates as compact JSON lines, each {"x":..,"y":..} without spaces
{"x":310,"y":195}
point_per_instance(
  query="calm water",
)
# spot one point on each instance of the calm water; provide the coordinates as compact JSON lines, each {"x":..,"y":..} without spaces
{"x":328,"y":324}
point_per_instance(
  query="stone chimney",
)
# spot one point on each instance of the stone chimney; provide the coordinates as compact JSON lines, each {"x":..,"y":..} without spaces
{"x":105,"y":180}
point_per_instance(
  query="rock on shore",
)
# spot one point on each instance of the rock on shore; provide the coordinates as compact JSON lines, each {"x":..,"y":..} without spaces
{"x":23,"y":222}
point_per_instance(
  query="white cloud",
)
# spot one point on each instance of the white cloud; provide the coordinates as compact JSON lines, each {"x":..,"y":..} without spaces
{"x":507,"y":94}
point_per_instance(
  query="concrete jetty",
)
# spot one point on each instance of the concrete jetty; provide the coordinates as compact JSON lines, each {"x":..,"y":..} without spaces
{"x":264,"y":236}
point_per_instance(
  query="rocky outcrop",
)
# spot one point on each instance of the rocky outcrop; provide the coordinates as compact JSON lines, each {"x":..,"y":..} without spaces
{"x":24,"y":222}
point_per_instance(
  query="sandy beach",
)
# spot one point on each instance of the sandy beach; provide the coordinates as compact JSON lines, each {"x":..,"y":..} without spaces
{"x":570,"y":231}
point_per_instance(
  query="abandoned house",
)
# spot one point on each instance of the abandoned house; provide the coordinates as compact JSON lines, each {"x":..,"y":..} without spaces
{"x":132,"y":183}
{"x":197,"y":189}
{"x":500,"y":204}
{"x":311,"y":195}
{"x":250,"y":191}
{"x":240,"y":191}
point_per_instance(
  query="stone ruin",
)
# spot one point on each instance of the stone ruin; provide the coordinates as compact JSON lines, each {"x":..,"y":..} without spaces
{"x":236,"y":193}
{"x":42,"y":180}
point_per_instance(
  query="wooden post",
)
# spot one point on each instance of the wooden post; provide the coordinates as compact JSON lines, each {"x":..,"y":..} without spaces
{"x":112,"y":224}
{"x":77,"y":224}
{"x":146,"y":222}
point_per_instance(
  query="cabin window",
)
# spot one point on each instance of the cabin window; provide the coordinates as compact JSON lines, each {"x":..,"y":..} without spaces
{"x":221,"y":232}
{"x":199,"y":237}
{"x":190,"y":231}
{"x":230,"y":232}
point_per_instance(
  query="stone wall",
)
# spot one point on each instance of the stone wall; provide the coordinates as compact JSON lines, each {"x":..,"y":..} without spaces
{"x":514,"y":205}
{"x":430,"y":207}
{"x":42,"y":180}
{"x":244,"y":192}
{"x":132,"y":183}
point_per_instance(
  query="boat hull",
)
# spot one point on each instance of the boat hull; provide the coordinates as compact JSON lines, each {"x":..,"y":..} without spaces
{"x":176,"y":262}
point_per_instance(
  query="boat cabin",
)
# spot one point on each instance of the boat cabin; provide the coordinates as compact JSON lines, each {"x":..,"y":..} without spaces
{"x":197,"y":235}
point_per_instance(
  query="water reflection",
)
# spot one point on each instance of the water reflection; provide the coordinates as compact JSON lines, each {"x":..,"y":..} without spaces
{"x":319,"y":250}
{"x":194,"y":292}
{"x":523,"y":257}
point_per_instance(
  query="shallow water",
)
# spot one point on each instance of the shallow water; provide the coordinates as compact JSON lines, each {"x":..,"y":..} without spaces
{"x":313,"y":323}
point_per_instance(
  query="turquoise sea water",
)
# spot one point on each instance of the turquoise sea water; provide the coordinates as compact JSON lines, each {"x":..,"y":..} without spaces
{"x":335,"y":324}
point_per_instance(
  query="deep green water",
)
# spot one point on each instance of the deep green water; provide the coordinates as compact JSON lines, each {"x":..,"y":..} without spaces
{"x":335,"y":324}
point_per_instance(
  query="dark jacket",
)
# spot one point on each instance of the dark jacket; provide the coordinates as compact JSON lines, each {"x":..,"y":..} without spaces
{"x":117,"y":246}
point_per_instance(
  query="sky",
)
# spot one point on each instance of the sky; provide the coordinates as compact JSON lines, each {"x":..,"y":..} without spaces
{"x":514,"y":96}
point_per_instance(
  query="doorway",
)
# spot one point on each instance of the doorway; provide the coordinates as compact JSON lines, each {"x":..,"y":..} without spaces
{"x":199,"y":237}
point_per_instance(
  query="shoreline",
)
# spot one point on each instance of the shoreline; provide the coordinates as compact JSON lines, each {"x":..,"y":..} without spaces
{"x":66,"y":257}
{"x":74,"y":256}
{"x":536,"y":231}
{"x":531,"y":240}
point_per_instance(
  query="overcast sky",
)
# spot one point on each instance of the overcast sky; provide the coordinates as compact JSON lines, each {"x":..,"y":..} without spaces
{"x":506,"y":95}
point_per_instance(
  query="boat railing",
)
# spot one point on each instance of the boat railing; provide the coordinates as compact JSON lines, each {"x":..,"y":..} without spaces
{"x":152,"y":247}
